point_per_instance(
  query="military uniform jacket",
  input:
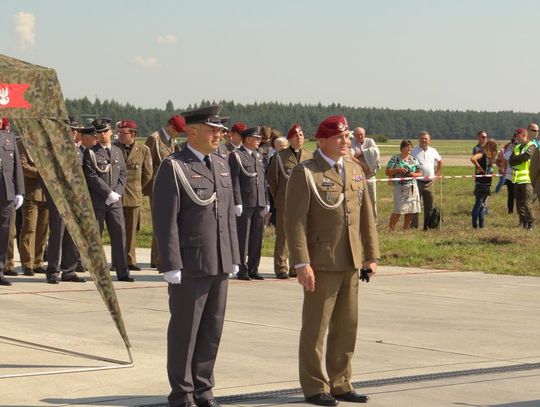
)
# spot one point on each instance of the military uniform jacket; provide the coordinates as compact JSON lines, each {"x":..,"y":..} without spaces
{"x":223,"y":151}
{"x":249,"y":192}
{"x":11,"y":173}
{"x":139,"y":172}
{"x":33,"y":184}
{"x":187,"y":233}
{"x":101,"y":184}
{"x":160,"y":149}
{"x":277,"y":182}
{"x":330,"y":239}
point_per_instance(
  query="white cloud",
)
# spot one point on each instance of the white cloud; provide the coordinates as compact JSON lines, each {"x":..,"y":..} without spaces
{"x":25,"y":23}
{"x":166,"y":39}
{"x":149,"y":62}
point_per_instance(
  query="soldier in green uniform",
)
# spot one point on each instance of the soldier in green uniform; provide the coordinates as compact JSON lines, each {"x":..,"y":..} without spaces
{"x":277,"y":176}
{"x":35,"y":214}
{"x":162,"y":143}
{"x":139,"y":173}
{"x":328,"y":221}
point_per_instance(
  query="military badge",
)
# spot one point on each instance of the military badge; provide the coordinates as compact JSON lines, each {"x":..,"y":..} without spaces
{"x":200,"y":193}
{"x":327,"y":183}
{"x":358,"y":178}
{"x":330,"y":197}
{"x":340,"y":126}
{"x":224,"y":174}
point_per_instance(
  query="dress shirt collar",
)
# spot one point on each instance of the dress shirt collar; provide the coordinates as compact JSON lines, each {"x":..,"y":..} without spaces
{"x":330,"y":161}
{"x":197,"y":153}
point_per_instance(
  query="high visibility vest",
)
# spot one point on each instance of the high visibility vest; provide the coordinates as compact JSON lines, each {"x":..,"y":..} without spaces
{"x":521,"y":171}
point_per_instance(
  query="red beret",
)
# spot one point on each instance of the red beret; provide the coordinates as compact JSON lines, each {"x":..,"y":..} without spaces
{"x":178,"y":123}
{"x":294,"y":130}
{"x":239,"y":127}
{"x":127,"y":124}
{"x":519,"y":131}
{"x":331,"y":126}
{"x":4,"y":125}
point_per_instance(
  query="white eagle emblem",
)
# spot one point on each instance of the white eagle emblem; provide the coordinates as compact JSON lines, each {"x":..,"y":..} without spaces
{"x":4,"y":96}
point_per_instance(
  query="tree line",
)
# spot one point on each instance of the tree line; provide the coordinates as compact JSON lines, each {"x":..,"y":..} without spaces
{"x":389,"y":123}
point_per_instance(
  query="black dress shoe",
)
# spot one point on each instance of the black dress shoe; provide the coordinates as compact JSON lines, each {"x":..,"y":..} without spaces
{"x":134,"y":267}
{"x":39,"y":270}
{"x":73,"y":277}
{"x":322,"y":399}
{"x":53,"y":278}
{"x":3,"y":281}
{"x":209,"y":403}
{"x":243,"y":276}
{"x":352,"y":397}
{"x":11,"y":273}
{"x":127,"y":278}
{"x":256,"y":276}
{"x":282,"y":275}
{"x":28,"y":272}
{"x":292,"y":273}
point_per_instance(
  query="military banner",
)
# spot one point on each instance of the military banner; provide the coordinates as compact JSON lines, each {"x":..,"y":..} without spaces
{"x":31,"y":97}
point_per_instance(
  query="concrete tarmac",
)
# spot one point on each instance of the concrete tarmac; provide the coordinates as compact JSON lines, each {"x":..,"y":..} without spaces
{"x":426,"y":338}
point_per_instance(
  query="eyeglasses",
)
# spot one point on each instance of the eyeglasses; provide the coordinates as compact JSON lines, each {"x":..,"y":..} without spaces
{"x":534,"y":130}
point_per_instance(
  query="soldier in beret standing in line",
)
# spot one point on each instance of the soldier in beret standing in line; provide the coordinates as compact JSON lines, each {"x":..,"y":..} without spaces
{"x":234,"y":141}
{"x":250,"y":200}
{"x":11,"y":192}
{"x":278,"y":175}
{"x":329,"y":220}
{"x":105,"y":171}
{"x":162,"y":144}
{"x":138,"y":160}
{"x":195,"y":228}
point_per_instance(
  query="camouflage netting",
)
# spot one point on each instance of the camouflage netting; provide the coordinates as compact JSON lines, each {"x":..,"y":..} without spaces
{"x":46,"y":135}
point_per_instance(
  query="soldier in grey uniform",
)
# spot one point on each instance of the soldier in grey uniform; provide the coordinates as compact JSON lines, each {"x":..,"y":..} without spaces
{"x":62,"y":254}
{"x":11,"y":192}
{"x":106,"y":176}
{"x":250,"y":200}
{"x":195,"y":229}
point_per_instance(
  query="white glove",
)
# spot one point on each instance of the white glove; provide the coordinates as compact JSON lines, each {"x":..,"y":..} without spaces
{"x":265,"y":210}
{"x":113,"y":197}
{"x":235,"y":270}
{"x":173,"y":277}
{"x":18,"y":201}
{"x":238,"y":210}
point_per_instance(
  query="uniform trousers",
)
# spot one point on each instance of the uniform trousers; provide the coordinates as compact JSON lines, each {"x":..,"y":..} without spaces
{"x":62,"y":254}
{"x":154,"y":254}
{"x":33,"y":233}
{"x":523,"y":194}
{"x":131,"y":217}
{"x":281,"y":251}
{"x":10,"y":264}
{"x":332,"y":307}
{"x":113,"y":217}
{"x":425,"y":189}
{"x":250,"y":234}
{"x":6,"y":213}
{"x":197,"y":308}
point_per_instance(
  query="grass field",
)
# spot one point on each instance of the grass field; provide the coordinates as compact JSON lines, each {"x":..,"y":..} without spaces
{"x":502,"y":247}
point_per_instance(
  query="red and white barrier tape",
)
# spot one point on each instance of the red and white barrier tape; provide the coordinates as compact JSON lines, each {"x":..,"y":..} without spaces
{"x":435,"y":176}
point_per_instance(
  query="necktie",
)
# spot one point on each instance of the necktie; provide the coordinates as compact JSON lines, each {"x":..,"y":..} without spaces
{"x":341,"y":174}
{"x":208,"y":162}
{"x":108,"y":152}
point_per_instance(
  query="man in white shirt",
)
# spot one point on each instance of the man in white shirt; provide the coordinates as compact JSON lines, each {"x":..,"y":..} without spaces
{"x":431,"y":165}
{"x":367,"y":153}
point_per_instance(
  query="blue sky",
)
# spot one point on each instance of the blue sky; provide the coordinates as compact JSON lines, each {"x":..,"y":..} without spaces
{"x":475,"y":54}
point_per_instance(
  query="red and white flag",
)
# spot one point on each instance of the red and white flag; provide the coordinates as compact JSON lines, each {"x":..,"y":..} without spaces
{"x":12,"y":95}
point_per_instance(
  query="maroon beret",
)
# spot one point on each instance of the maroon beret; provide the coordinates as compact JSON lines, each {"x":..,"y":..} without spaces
{"x":294,"y":130}
{"x":4,"y":123}
{"x":520,"y":131}
{"x":127,"y":124}
{"x":332,"y":126}
{"x":239,"y":127}
{"x":178,"y":123}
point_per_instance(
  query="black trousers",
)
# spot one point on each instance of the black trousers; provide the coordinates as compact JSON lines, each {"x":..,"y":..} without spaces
{"x":113,"y":217}
{"x":197,"y":307}
{"x":250,"y":235}
{"x":6,"y":211}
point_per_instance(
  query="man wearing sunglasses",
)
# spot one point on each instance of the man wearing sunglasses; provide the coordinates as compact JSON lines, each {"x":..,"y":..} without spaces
{"x":532,"y":133}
